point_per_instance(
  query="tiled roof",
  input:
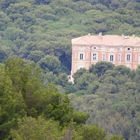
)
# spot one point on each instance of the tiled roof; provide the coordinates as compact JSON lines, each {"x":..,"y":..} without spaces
{"x":109,"y":40}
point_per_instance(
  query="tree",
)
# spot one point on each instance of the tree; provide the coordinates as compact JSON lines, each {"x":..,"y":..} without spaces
{"x":122,"y":70}
{"x":42,"y":1}
{"x":36,"y":129}
{"x":2,"y":55}
{"x":116,"y":137}
{"x":101,"y":67}
{"x":80,"y":117}
{"x":35,"y":55}
{"x":12,"y":105}
{"x":4,"y":20}
{"x":93,"y":132}
{"x":93,"y":87}
{"x":51,"y":63}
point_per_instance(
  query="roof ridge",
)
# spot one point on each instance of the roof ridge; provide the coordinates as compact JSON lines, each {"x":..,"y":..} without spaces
{"x":107,"y":40}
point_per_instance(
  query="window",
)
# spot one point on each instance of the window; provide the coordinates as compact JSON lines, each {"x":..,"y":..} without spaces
{"x":128,"y":57}
{"x":128,"y":49}
{"x":94,"y":56}
{"x":81,"y":56}
{"x":111,"y":58}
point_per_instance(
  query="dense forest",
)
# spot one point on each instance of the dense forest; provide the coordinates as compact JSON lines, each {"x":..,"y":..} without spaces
{"x":111,"y":96}
{"x":36,"y":99}
{"x":38,"y":29}
{"x":29,"y":110}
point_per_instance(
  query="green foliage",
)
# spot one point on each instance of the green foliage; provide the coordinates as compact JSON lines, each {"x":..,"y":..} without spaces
{"x":50,"y":63}
{"x":41,"y":129}
{"x":111,"y":112}
{"x":101,"y":67}
{"x":116,"y":138}
{"x":37,"y":28}
{"x":31,"y":110}
{"x":104,"y":77}
{"x":12,"y":104}
{"x":38,"y":98}
{"x":4,"y":52}
{"x":80,"y":117}
{"x":110,"y":94}
{"x":22,"y":93}
{"x":40,"y":31}
{"x":93,"y":133}
{"x":36,"y":129}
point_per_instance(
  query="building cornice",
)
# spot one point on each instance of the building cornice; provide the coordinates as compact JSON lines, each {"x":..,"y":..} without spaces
{"x":101,"y":45}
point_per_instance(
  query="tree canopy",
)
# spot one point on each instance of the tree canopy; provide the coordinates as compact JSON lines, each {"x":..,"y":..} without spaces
{"x":32,"y":88}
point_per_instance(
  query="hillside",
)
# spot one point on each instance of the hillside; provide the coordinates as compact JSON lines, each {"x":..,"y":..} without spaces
{"x":33,"y":29}
{"x":36,"y":99}
{"x":110,"y":95}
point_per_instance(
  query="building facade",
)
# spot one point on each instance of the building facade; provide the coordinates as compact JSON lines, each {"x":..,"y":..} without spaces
{"x":119,"y":50}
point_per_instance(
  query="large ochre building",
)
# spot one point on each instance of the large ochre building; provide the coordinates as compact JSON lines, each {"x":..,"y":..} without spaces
{"x":119,"y":50}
